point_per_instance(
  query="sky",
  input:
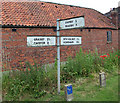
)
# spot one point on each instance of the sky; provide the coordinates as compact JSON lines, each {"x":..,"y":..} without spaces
{"x":102,"y":6}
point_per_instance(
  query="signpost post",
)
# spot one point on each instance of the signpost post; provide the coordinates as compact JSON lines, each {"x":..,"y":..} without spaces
{"x":67,"y":24}
{"x":58,"y":56}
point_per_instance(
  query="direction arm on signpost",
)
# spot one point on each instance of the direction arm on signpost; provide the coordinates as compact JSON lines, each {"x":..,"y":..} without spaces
{"x":72,"y":23}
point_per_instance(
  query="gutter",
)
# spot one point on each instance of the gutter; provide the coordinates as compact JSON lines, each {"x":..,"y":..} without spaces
{"x":24,"y":26}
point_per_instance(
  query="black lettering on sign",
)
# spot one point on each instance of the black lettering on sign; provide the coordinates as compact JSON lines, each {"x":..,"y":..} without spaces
{"x":35,"y":39}
{"x":38,"y":39}
{"x":68,"y":42}
{"x":64,"y":38}
{"x":77,"y":41}
{"x":41,"y":38}
{"x":69,"y":38}
{"x":69,"y":22}
{"x":69,"y":25}
{"x":39,"y":42}
{"x":48,"y":39}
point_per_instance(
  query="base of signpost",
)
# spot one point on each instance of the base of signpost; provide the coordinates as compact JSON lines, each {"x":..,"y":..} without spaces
{"x":68,"y":92}
{"x":102,"y":79}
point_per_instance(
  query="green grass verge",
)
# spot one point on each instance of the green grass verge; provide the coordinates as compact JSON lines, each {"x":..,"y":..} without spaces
{"x":92,"y":92}
{"x":88,"y":90}
{"x":34,"y":83}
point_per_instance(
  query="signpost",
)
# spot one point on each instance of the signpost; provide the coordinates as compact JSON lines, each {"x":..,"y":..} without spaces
{"x":66,"y":40}
{"x":50,"y":41}
{"x":70,"y":23}
{"x":70,"y":40}
{"x":41,"y":41}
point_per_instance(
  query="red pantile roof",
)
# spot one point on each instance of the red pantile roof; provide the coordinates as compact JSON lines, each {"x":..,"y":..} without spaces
{"x":45,"y":14}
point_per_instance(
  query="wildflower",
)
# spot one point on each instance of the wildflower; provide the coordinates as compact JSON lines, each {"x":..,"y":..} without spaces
{"x":28,"y":69}
{"x":32,"y":64}
{"x":118,"y":56}
{"x":108,"y":54}
{"x":24,"y":70}
{"x":103,"y":56}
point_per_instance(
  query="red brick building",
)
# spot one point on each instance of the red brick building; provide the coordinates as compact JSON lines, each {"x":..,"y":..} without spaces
{"x":23,"y":19}
{"x":114,"y":15}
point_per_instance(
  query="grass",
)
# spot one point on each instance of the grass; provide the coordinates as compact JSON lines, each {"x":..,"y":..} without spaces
{"x":93,"y":92}
{"x":88,"y":90}
{"x":34,"y":83}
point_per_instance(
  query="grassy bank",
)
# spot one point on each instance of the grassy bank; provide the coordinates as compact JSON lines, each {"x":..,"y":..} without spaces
{"x":87,"y":89}
{"x":35,"y":83}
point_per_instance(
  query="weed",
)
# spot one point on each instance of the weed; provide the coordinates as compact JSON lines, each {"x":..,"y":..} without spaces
{"x":37,"y":81}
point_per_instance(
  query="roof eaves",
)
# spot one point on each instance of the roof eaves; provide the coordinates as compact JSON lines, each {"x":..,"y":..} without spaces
{"x":25,"y":26}
{"x":94,"y":28}
{"x":101,"y":28}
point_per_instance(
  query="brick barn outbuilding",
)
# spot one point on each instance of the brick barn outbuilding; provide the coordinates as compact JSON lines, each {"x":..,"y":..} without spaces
{"x":114,"y":15}
{"x":23,"y":19}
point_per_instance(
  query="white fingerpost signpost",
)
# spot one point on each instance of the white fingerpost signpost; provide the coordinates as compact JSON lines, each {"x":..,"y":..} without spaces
{"x":69,"y":23}
{"x":58,"y":56}
{"x":40,"y":41}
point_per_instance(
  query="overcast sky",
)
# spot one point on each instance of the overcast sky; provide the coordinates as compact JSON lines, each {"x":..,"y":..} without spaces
{"x":101,"y":5}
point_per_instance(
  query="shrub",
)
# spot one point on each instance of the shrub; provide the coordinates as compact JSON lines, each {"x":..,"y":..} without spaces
{"x":36,"y":81}
{"x":86,"y":63}
{"x":32,"y":80}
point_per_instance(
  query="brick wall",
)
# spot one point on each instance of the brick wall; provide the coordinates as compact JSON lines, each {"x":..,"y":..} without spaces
{"x":16,"y":51}
{"x":119,"y":39}
{"x":118,"y":17}
{"x":114,"y":15}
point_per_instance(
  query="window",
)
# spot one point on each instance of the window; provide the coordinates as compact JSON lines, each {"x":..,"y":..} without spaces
{"x":109,"y":36}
